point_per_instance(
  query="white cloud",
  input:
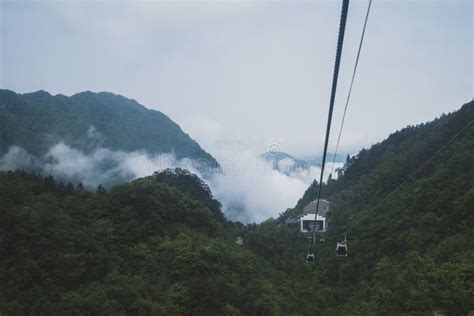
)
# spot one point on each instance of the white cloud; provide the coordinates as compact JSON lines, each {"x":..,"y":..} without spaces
{"x":249,"y":189}
{"x":100,"y":166}
{"x":286,"y":164}
{"x":207,"y":132}
{"x":258,"y":191}
{"x":16,"y":158}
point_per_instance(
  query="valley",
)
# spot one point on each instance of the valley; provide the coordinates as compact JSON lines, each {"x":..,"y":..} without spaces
{"x":161,"y":244}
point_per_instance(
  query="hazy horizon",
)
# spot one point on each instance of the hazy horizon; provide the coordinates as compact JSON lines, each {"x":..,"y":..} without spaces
{"x":242,"y":75}
{"x":305,"y":155}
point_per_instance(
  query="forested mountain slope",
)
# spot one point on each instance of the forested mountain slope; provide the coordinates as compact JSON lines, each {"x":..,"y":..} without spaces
{"x":415,"y":252}
{"x":387,"y":164}
{"x":36,"y":121}
{"x":141,"y":248}
{"x":160,"y":245}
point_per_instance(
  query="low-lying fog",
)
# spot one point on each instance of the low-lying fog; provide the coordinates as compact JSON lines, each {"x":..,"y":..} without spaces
{"x":249,"y":189}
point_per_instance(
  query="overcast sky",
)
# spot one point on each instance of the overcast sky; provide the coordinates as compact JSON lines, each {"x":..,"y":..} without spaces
{"x":249,"y":73}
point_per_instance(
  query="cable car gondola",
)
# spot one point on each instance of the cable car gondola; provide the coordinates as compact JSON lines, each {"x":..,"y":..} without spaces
{"x":341,"y":248}
{"x":310,"y":258}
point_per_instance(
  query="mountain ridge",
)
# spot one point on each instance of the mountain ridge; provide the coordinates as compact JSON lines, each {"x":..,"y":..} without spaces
{"x":37,"y":120}
{"x":406,"y":226}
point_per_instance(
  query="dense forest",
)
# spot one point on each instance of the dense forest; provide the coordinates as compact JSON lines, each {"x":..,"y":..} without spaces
{"x":86,"y":120}
{"x":160,"y":245}
{"x":143,"y":247}
{"x":415,"y":252}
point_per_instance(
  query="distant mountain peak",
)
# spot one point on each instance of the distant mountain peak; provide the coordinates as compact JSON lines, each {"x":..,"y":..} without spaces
{"x":39,"y":93}
{"x":34,"y":121}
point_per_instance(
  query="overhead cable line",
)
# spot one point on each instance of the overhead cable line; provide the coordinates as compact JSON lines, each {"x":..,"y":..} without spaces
{"x":350,"y":87}
{"x":340,"y":42}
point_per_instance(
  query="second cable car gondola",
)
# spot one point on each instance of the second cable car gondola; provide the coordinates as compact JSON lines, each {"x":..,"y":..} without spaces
{"x":341,"y":248}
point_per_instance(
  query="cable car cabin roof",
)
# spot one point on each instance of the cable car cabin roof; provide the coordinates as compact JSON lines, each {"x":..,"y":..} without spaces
{"x":292,"y":221}
{"x":310,"y":208}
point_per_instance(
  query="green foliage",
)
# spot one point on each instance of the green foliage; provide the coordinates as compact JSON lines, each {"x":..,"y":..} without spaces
{"x":144,"y":248}
{"x":161,"y":246}
{"x":413,"y":254}
{"x":36,"y":121}
{"x":191,"y":185}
